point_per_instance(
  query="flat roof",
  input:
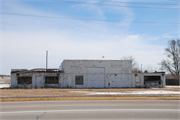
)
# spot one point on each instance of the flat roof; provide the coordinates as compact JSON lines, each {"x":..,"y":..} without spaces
{"x":37,"y":70}
{"x":92,"y":60}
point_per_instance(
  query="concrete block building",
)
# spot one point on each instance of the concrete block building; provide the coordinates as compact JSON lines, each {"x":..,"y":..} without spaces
{"x":87,"y":74}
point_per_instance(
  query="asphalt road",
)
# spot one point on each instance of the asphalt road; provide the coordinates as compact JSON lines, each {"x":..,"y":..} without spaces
{"x":91,"y":110}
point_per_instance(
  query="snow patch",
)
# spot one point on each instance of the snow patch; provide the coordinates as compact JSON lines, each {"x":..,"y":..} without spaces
{"x":128,"y":92}
{"x":135,"y":92}
{"x":4,"y":86}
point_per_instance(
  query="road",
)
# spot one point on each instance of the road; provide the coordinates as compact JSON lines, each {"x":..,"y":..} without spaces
{"x":91,"y":110}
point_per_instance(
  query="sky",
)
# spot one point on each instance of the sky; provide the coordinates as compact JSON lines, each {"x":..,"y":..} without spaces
{"x":85,"y":29}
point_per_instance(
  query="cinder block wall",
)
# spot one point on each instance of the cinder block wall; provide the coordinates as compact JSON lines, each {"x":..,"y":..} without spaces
{"x":97,"y":73}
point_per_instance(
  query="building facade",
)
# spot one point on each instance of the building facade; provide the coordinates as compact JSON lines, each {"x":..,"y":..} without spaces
{"x":87,"y":74}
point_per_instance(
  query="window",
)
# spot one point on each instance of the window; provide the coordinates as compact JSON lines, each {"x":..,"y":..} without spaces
{"x":24,"y":80}
{"x":51,"y":80}
{"x":152,"y":78}
{"x":79,"y":80}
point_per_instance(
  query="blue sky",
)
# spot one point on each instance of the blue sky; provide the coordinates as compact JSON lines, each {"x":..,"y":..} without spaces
{"x":114,"y":29}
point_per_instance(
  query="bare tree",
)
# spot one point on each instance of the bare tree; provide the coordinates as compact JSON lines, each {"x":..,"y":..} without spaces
{"x":130,"y":57}
{"x":171,"y":64}
{"x":135,"y":68}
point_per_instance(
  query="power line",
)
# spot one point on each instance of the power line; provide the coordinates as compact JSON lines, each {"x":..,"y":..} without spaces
{"x":138,"y":3}
{"x":116,"y":5}
{"x":128,"y":2}
{"x":85,"y":19}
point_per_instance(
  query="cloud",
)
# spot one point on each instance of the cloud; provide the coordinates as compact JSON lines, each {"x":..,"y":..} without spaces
{"x":27,"y":50}
{"x":25,"y":39}
{"x":103,"y":11}
{"x":167,"y":36}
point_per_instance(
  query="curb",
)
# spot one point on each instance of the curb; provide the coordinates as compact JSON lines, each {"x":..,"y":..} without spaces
{"x":62,"y":96}
{"x":90,"y":98}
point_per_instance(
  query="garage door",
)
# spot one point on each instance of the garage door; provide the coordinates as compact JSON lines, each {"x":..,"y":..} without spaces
{"x":95,"y":77}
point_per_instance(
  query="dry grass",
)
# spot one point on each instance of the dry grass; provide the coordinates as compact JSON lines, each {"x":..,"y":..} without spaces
{"x":36,"y":92}
{"x":68,"y":92}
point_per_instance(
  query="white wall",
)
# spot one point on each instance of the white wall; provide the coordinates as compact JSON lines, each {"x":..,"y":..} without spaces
{"x":138,"y":79}
{"x":97,"y":73}
{"x":38,"y":80}
{"x":14,"y":80}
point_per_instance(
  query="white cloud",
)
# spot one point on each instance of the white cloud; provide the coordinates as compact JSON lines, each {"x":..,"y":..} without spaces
{"x":25,"y":40}
{"x":167,"y":36}
{"x":27,"y":50}
{"x":100,"y":11}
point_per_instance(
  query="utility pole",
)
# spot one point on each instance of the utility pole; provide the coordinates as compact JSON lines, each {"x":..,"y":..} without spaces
{"x":178,"y":63}
{"x":46,"y":59}
{"x":179,"y":46}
